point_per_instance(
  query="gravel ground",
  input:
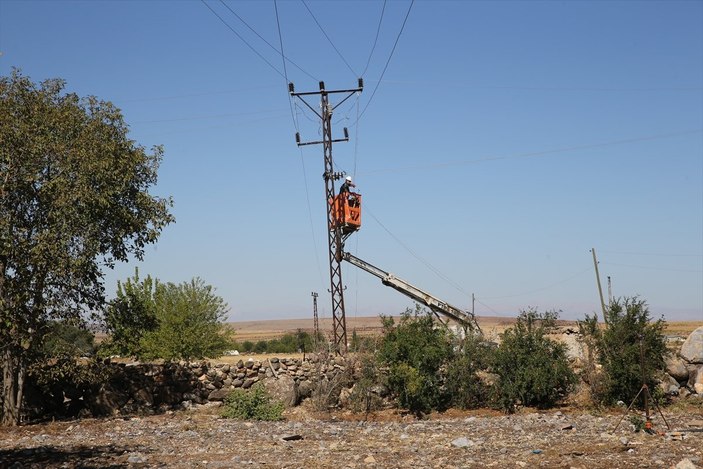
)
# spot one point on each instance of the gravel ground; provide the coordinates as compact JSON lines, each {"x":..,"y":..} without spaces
{"x":199,"y":438}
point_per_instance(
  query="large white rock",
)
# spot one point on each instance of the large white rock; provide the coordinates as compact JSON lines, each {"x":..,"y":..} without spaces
{"x":692,"y":348}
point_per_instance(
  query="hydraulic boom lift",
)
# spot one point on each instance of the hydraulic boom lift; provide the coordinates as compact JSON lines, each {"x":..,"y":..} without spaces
{"x":464,"y":318}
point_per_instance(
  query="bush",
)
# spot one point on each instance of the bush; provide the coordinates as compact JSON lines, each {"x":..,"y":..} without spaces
{"x":415,"y":351}
{"x":190,"y":323}
{"x":129,"y":316}
{"x":253,"y":404}
{"x":65,"y":339}
{"x":465,"y":387}
{"x":628,"y":337}
{"x":532,"y":369}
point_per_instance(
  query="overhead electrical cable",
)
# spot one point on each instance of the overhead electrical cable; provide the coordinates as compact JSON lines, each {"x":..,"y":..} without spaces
{"x":196,"y":95}
{"x":436,"y":271}
{"x":390,"y":56}
{"x":654,"y":268}
{"x":571,"y":277}
{"x":484,"y":304}
{"x":330,"y":40}
{"x":378,"y":30}
{"x":649,"y":254}
{"x":285,"y":70}
{"x":242,"y":39}
{"x":268,"y":43}
{"x":541,"y":153}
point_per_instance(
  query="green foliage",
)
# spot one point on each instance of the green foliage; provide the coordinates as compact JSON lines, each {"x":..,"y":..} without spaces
{"x":463,"y":383}
{"x":74,"y":198}
{"x":532,"y":369}
{"x":415,"y":352}
{"x":252,"y":404}
{"x":190,"y":320}
{"x":66,"y":339}
{"x":637,"y":422}
{"x":628,"y":341}
{"x":129,"y":316}
{"x":362,"y":398}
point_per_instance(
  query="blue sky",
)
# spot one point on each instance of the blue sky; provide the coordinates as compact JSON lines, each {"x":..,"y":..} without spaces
{"x":504,"y":141}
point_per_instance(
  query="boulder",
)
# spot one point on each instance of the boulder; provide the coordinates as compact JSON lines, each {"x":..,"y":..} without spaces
{"x":218,"y":395}
{"x":283,"y":390}
{"x":676,"y":367}
{"x":692,"y":348}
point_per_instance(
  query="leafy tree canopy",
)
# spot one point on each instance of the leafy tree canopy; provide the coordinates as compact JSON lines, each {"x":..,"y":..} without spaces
{"x":190,"y":319}
{"x":74,"y":197}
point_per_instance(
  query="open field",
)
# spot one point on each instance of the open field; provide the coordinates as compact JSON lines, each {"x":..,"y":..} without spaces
{"x":271,"y":329}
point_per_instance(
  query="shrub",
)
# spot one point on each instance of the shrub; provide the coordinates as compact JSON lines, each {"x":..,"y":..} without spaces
{"x":363,"y":398}
{"x":532,"y":369}
{"x":465,"y":387}
{"x":190,"y":323}
{"x":253,"y":404}
{"x":129,"y":316}
{"x":628,"y":341}
{"x":415,"y":352}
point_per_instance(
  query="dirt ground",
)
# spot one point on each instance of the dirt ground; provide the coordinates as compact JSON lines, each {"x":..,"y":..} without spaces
{"x":201,"y":439}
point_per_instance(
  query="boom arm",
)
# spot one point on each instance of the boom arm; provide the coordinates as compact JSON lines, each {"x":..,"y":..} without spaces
{"x":438,"y":306}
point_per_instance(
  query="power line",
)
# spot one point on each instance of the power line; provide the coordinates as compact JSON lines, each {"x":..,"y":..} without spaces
{"x":436,"y":271}
{"x":268,"y":43}
{"x":571,"y":277}
{"x":285,"y":70}
{"x":378,"y":30}
{"x":242,"y":39}
{"x":654,"y":268}
{"x":378,"y":83}
{"x":541,"y":153}
{"x":330,"y":40}
{"x":650,"y":254}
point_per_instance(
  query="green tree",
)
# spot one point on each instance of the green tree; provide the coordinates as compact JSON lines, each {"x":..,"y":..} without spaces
{"x":629,"y":345}
{"x":129,"y":316}
{"x":63,"y":338}
{"x":463,"y":383}
{"x":415,"y":351}
{"x":532,"y":369}
{"x":190,"y":320}
{"x":74,"y":198}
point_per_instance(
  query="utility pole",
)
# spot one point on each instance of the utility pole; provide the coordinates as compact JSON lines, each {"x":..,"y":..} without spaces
{"x":600,"y":289}
{"x":334,"y":233}
{"x":316,"y":324}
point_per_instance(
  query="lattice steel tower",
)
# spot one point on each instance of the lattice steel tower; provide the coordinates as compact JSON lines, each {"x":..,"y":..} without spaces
{"x":334,"y":233}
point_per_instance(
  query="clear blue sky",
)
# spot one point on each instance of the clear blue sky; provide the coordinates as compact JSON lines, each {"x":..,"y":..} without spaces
{"x":504,"y":141}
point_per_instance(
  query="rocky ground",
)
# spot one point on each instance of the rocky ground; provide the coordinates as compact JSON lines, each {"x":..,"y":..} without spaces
{"x":200,"y":438}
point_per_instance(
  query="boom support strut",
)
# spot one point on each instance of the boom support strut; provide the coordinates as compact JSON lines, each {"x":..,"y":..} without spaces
{"x":439,"y":307}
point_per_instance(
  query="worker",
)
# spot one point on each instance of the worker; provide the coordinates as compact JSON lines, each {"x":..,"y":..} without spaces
{"x":346,"y":185}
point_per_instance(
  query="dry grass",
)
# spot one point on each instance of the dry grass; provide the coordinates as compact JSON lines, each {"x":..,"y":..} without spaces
{"x":492,"y":325}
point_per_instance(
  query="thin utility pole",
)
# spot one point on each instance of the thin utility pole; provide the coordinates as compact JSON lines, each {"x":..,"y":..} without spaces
{"x":600,"y":289}
{"x":316,"y":324}
{"x":334,"y":232}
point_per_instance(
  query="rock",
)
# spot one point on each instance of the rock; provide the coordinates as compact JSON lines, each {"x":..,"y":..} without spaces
{"x":695,"y":380}
{"x":685,"y":464}
{"x":692,"y":348}
{"x":218,"y":395}
{"x":248,"y":383}
{"x":676,"y":367}
{"x":369,"y":459}
{"x":283,"y":390}
{"x":462,"y":442}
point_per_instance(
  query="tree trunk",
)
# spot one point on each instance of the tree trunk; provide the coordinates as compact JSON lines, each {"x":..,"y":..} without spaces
{"x":11,"y":389}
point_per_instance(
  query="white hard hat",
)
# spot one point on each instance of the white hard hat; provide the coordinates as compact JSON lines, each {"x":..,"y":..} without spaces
{"x":348,"y":178}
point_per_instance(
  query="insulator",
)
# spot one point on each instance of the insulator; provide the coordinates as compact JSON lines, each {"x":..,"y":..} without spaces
{"x":291,"y":88}
{"x":322,"y":85}
{"x":346,"y":133}
{"x":361,"y":82}
{"x":297,"y":137}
